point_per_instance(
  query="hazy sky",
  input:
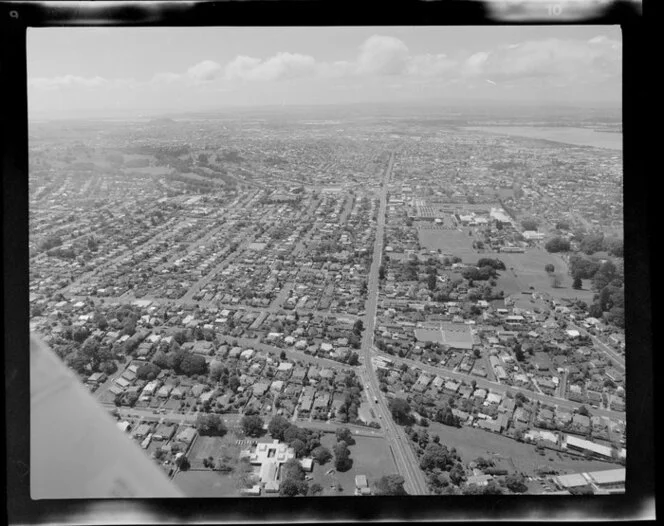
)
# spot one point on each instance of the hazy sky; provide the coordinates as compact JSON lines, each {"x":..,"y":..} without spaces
{"x":174,"y":69}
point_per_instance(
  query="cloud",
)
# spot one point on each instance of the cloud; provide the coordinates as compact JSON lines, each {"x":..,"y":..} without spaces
{"x":474,"y":64}
{"x":67,"y":81}
{"x":430,"y":65}
{"x":340,"y":68}
{"x":204,"y":71}
{"x":548,"y":58}
{"x":547,"y":62}
{"x":280,"y":66}
{"x":382,"y":55}
{"x":165,"y":78}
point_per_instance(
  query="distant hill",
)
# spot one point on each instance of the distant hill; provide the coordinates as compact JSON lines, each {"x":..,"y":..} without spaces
{"x":162,"y":120}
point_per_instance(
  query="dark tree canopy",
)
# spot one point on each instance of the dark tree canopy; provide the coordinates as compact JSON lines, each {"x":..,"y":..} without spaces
{"x":233,"y":383}
{"x":358,"y":327}
{"x":583,"y":410}
{"x":210,"y":425}
{"x":342,"y":461}
{"x":252,"y":425}
{"x":277,"y":426}
{"x":193,"y":364}
{"x":583,"y":267}
{"x":390,"y":485}
{"x":614,"y":246}
{"x":344,"y":434}
{"x":496,"y":264}
{"x":321,"y":454}
{"x":557,"y":244}
{"x":592,"y":243}
{"x":289,"y":488}
{"x":400,"y":411}
{"x":437,"y":456}
{"x":146,"y":370}
{"x":183,"y":463}
{"x":516,"y":483}
{"x":445,"y":416}
{"x":606,"y":273}
{"x":529,"y":224}
{"x":292,"y":470}
{"x":299,"y":447}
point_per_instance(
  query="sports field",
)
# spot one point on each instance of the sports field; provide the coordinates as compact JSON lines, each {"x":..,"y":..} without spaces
{"x":206,"y":484}
{"x":527,"y":269}
{"x":452,"y":241}
{"x":522,"y":270}
{"x":371,"y":457}
{"x":471,"y":443}
{"x":214,"y":447}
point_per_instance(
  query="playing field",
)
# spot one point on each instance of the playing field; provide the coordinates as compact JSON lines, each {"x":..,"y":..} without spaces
{"x":214,"y":447}
{"x":509,"y":454}
{"x":371,"y":457}
{"x":452,"y":242}
{"x":527,"y":269}
{"x":206,"y":484}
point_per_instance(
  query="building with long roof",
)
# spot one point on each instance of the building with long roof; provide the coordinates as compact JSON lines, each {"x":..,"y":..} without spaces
{"x":269,"y":457}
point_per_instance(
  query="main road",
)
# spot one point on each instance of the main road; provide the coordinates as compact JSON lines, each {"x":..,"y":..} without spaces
{"x":406,"y":461}
{"x":232,"y":420}
{"x":616,"y":358}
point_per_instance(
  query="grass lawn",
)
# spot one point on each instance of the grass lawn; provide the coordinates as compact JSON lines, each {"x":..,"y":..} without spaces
{"x":449,"y":242}
{"x":509,"y":454}
{"x":528,"y":270}
{"x":206,"y":484}
{"x":214,"y":447}
{"x":371,"y":457}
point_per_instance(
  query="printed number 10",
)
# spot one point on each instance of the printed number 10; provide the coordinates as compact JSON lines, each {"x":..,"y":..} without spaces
{"x":555,"y":9}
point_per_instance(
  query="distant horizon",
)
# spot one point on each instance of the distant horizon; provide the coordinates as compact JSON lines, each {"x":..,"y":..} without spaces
{"x":107,"y":71}
{"x":446,"y":105}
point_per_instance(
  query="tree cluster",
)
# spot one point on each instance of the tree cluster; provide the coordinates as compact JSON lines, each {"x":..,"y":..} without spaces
{"x":210,"y":425}
{"x":252,"y":425}
{"x":530,"y":224}
{"x":496,"y":264}
{"x":582,"y":267}
{"x":491,"y":488}
{"x":304,"y":441}
{"x":557,"y":244}
{"x":445,"y":416}
{"x":180,"y":361}
{"x":479,"y":274}
{"x":442,"y":466}
{"x":400,"y":411}
{"x":342,"y":460}
{"x":390,"y":485}
{"x":147,"y":371}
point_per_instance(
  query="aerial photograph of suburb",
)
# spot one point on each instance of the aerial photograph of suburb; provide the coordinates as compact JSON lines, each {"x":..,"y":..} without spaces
{"x":327,"y":261}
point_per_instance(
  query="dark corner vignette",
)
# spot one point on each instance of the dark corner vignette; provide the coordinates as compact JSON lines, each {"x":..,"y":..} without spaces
{"x":637,"y":306}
